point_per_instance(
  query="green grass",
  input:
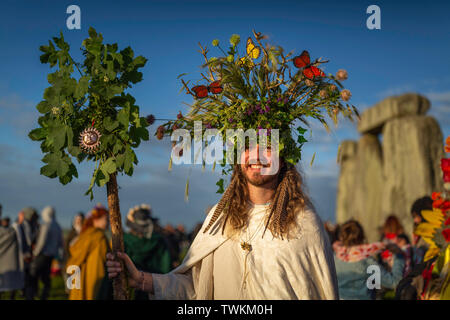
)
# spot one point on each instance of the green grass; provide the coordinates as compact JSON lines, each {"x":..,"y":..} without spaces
{"x":57,"y":291}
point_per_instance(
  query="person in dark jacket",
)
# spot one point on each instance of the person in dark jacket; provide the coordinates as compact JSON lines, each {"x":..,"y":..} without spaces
{"x":49,"y":245}
{"x":146,"y":247}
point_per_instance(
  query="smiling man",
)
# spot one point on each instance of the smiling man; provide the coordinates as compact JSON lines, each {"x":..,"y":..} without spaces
{"x":263,"y":240}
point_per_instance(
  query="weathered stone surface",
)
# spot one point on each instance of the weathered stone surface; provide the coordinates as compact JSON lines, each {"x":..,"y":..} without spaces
{"x":412,"y":149}
{"x":360,"y":183}
{"x":373,"y":119}
{"x":368,"y":185}
{"x":347,"y":161}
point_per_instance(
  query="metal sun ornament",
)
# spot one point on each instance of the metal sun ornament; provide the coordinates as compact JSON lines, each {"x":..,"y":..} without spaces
{"x":90,"y":140}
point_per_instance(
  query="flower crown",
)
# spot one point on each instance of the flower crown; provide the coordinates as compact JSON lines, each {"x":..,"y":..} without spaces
{"x":263,"y":88}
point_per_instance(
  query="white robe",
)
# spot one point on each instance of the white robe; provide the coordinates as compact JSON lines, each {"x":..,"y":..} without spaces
{"x":300,"y":268}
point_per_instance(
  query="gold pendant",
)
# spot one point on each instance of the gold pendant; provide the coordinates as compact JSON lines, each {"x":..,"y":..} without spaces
{"x":246,"y":246}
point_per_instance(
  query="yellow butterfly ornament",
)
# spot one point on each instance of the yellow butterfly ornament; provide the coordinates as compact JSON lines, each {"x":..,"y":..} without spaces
{"x":253,"y":52}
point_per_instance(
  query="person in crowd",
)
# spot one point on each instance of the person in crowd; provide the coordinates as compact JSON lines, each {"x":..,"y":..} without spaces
{"x":412,"y":286}
{"x":11,"y":273}
{"x":183,"y":242}
{"x":5,"y":222}
{"x":391,"y":229}
{"x":171,"y":238}
{"x":393,"y":233}
{"x":72,"y":236}
{"x":144,"y":245}
{"x":418,"y":244}
{"x":49,"y":246}
{"x":353,"y":258}
{"x":89,"y":254}
{"x":331,"y":231}
{"x":27,"y":225}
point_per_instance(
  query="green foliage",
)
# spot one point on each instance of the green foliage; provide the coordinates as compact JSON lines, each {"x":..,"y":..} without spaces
{"x":84,"y":94}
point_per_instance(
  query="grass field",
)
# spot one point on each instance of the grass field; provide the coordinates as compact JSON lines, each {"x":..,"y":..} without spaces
{"x":57,"y":291}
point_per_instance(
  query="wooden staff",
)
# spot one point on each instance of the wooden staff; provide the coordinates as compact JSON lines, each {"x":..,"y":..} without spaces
{"x":119,"y":282}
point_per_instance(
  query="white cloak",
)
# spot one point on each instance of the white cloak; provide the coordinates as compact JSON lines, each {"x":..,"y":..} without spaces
{"x":300,"y":268}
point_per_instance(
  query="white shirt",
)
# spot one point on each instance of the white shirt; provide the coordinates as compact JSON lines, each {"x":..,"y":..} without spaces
{"x":301,"y":268}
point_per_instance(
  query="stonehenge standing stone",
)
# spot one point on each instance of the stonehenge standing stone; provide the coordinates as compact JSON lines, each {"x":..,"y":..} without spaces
{"x":412,"y":149}
{"x":360,"y":183}
{"x":345,"y":199}
{"x":377,"y":180}
{"x":368,"y":184}
{"x":374,"y":118}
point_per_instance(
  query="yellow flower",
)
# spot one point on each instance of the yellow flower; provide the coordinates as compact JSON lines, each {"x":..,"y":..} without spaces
{"x":432,"y":251}
{"x":434,"y":217}
{"x":425,"y":230}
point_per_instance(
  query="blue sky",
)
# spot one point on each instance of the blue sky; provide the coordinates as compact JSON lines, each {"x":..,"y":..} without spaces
{"x":409,"y":54}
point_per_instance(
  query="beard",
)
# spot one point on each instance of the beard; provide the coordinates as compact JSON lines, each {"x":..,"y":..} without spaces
{"x":256,"y":178}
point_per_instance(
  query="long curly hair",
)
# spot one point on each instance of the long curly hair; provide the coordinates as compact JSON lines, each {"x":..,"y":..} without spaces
{"x":290,"y":197}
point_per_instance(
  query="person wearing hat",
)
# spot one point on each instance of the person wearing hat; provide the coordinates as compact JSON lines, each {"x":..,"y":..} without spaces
{"x":146,"y":246}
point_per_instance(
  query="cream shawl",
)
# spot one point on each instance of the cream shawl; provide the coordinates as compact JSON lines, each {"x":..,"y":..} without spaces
{"x":300,"y":268}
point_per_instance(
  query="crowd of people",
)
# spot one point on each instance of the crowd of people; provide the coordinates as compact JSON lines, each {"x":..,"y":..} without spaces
{"x":31,"y":245}
{"x":34,"y":248}
{"x":398,"y":257}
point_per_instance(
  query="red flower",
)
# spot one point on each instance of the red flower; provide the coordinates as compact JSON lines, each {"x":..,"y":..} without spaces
{"x":435,"y":195}
{"x":447,"y":222}
{"x":447,"y":144}
{"x":386,"y":254}
{"x":446,"y":234}
{"x":390,"y":235}
{"x":445,"y":166}
{"x":438,"y":203}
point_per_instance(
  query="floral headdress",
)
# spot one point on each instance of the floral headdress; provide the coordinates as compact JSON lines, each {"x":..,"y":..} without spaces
{"x":263,"y":88}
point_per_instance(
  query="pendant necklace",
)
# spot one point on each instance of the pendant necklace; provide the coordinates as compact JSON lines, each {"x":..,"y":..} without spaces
{"x":246,"y":246}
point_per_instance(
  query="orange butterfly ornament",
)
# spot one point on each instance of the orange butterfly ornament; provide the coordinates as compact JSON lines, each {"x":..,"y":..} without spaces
{"x":202,"y":90}
{"x":309,"y":71}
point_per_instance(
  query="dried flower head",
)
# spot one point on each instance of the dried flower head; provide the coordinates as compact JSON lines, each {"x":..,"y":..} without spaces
{"x":341,"y":75}
{"x":150,"y":119}
{"x":346,"y":94}
{"x":323,"y":93}
{"x":309,"y":83}
{"x":160,"y":132}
